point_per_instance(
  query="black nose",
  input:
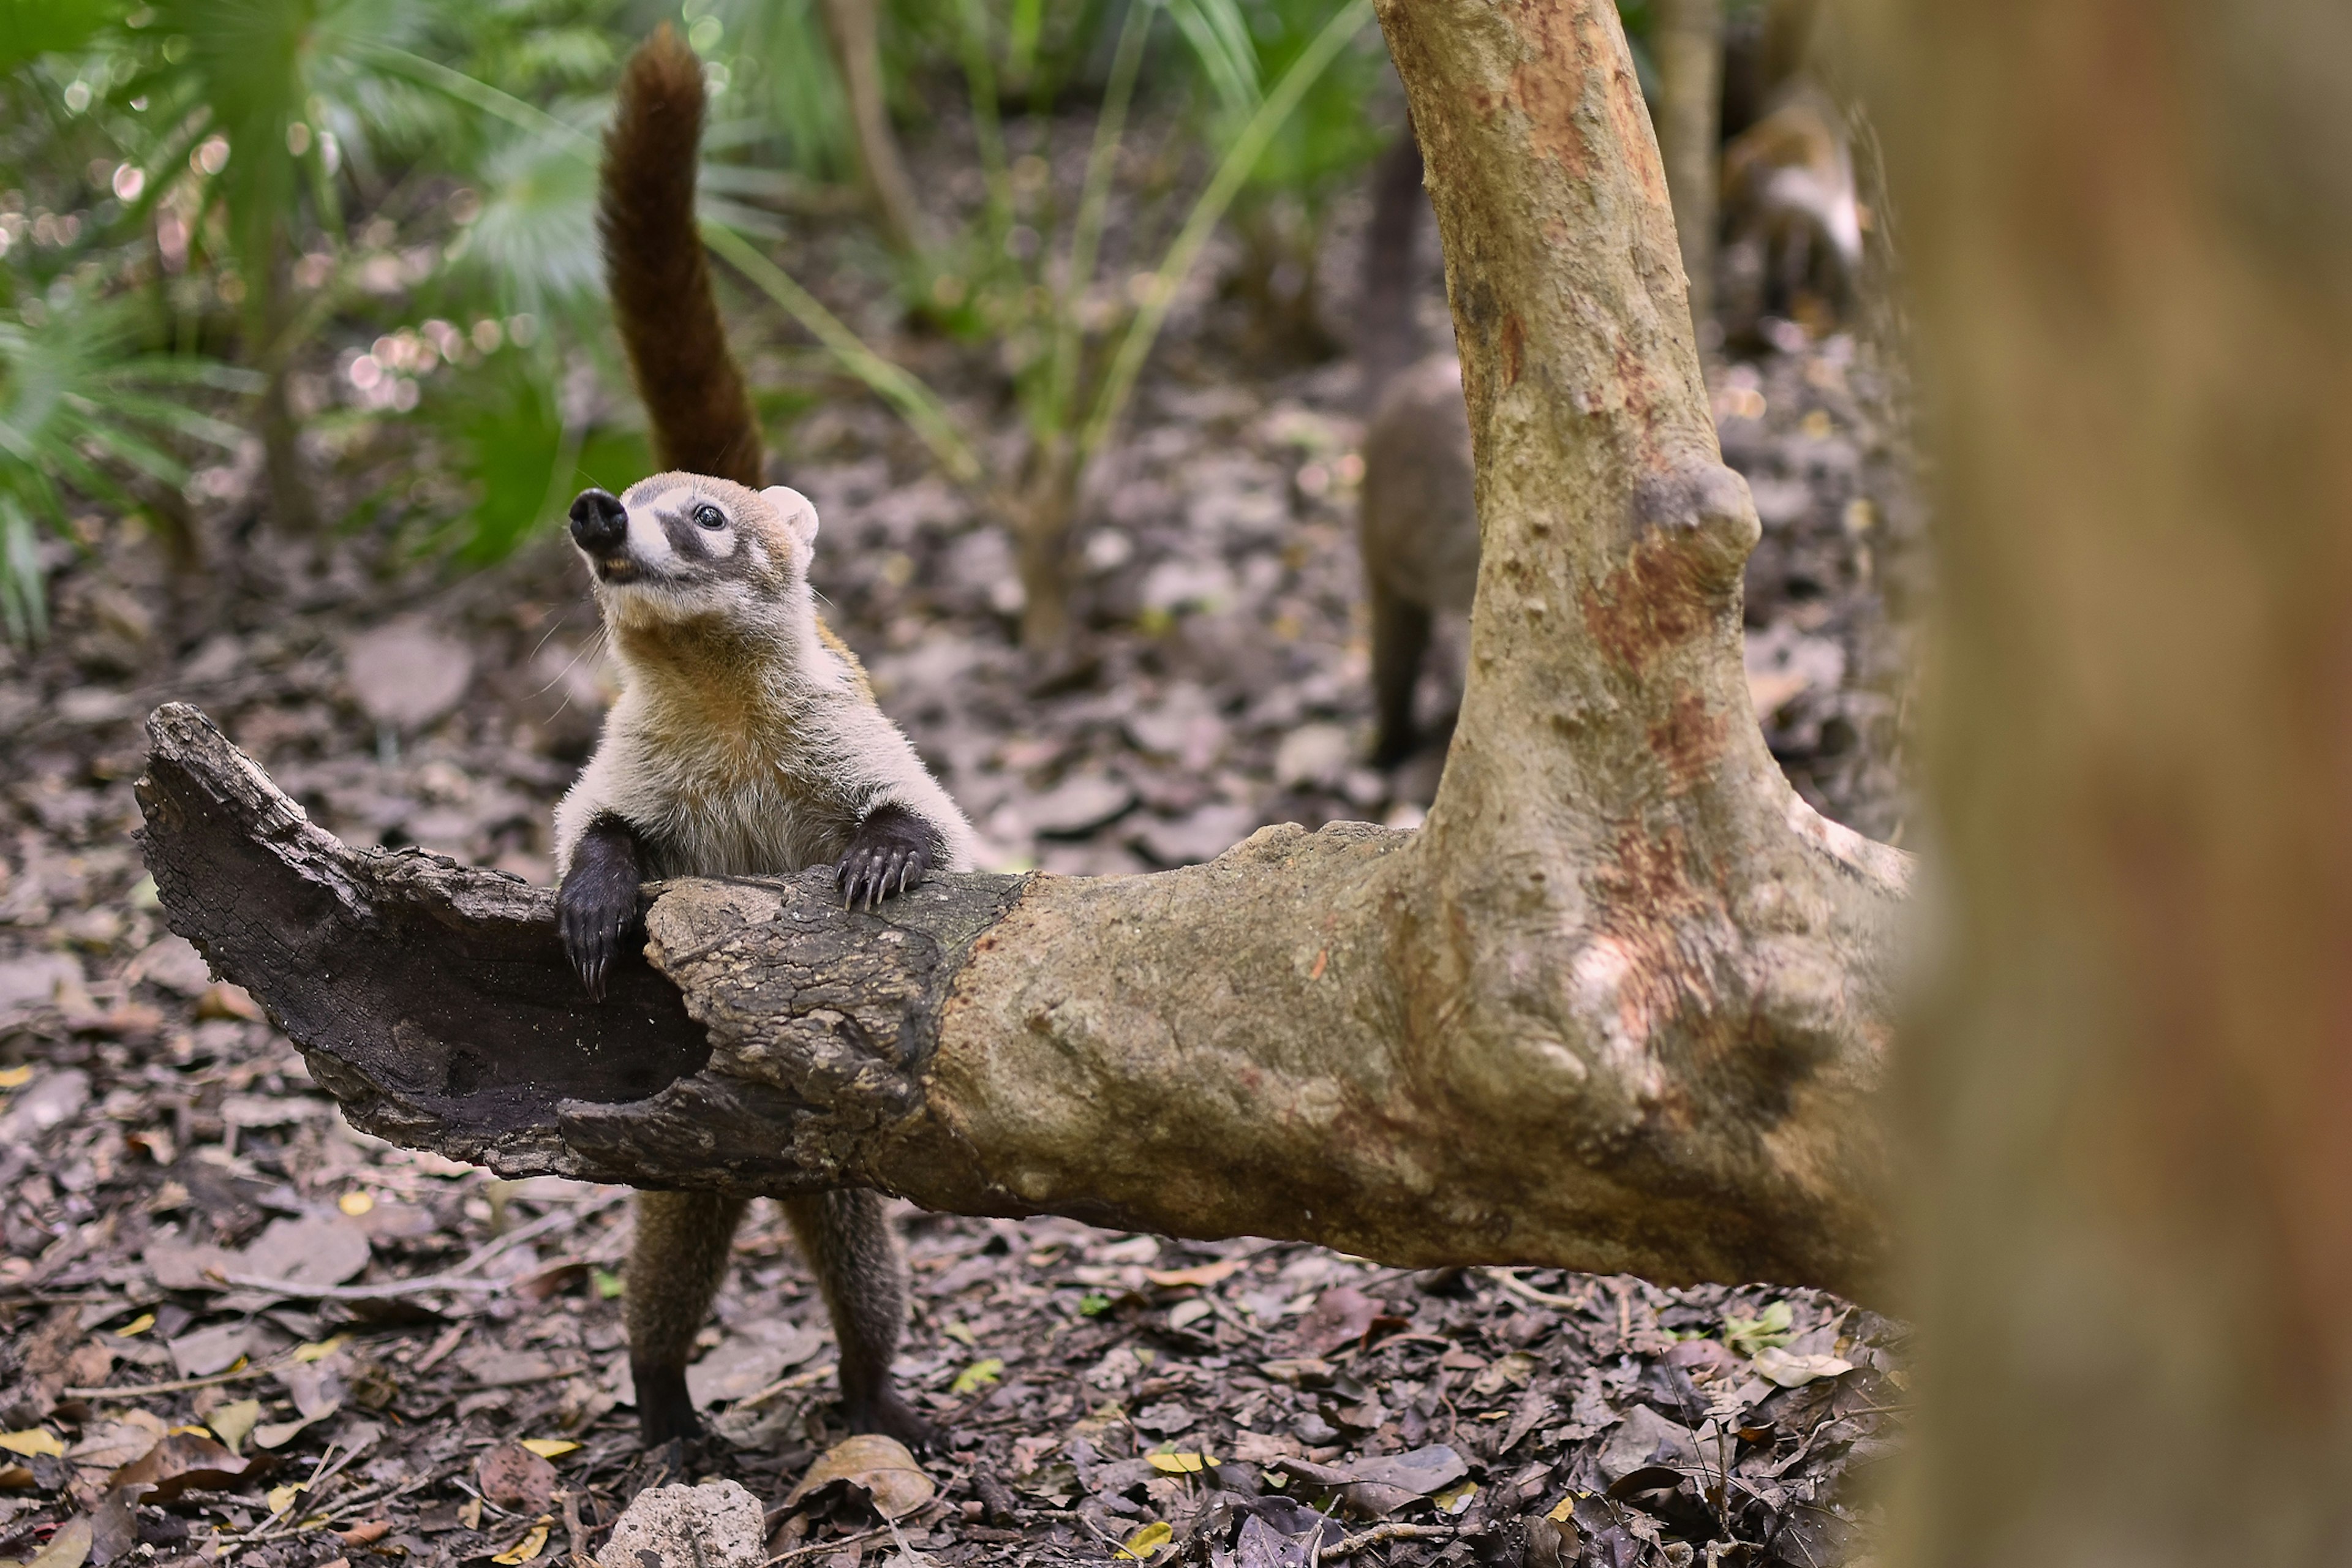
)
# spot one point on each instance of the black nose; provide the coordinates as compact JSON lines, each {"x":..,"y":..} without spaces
{"x":599,"y":521}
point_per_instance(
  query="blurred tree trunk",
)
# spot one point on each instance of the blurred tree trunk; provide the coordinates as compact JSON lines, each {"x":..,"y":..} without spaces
{"x":293,"y":504}
{"x":2130,"y":223}
{"x":1387,"y":315}
{"x":851,"y":25}
{"x":1689,"y":45}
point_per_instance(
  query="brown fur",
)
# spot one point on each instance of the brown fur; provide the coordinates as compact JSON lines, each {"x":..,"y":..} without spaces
{"x":659,"y":276}
{"x":1418,"y":525}
{"x":1389,"y":334}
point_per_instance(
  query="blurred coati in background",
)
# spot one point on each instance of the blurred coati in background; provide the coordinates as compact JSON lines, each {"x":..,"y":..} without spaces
{"x":1792,"y":248}
{"x":1791,"y":222}
{"x":1793,"y":228}
{"x":1418,"y":525}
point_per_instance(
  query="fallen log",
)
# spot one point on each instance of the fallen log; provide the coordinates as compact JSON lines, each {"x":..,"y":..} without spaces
{"x":1623,"y":1003}
{"x":1204,"y":1052}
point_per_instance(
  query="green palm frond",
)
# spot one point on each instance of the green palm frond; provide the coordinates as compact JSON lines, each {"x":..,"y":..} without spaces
{"x":1219,"y":36}
{"x":81,"y":408}
{"x":534,"y":245}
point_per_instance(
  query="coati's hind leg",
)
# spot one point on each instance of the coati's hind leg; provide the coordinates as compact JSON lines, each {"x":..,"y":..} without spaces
{"x":675,"y":1270}
{"x":1400,"y":643}
{"x":845,"y":1236}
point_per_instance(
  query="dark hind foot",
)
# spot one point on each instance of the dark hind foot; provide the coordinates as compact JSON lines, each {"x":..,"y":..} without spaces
{"x":665,"y":1409}
{"x":888,"y":1414}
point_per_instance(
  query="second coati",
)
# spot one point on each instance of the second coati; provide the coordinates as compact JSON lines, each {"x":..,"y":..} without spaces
{"x":745,"y":741}
{"x":1792,"y":219}
{"x":1418,"y":519}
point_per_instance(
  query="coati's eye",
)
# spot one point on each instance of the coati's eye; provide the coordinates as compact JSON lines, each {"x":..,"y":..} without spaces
{"x":710,"y":516}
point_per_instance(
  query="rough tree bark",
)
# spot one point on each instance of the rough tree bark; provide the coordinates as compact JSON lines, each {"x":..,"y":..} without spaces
{"x":1689,"y":44}
{"x":1623,"y":1003}
{"x":2131,"y":226}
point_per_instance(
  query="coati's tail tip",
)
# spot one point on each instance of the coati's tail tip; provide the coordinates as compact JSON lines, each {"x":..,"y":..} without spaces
{"x":664,"y":71}
{"x":659,"y":278}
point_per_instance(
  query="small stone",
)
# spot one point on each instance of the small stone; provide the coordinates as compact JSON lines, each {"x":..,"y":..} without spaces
{"x":715,"y":1525}
{"x":1079,"y":805}
{"x":404,"y":675}
{"x":1312,"y":754}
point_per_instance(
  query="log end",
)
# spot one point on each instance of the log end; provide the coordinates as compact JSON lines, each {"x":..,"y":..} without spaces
{"x":433,"y":999}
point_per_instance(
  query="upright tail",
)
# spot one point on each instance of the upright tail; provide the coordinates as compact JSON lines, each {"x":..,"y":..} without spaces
{"x":659,"y":278}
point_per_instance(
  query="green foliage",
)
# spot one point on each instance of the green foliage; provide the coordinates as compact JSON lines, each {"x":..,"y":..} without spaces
{"x":1771,"y":1327}
{"x":779,"y":70}
{"x":83,"y":409}
{"x":505,"y":424}
{"x":30,"y":29}
{"x":1335,"y":129}
{"x":300,"y":163}
{"x":365,"y":167}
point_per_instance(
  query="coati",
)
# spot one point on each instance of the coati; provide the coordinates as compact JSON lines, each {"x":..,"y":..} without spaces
{"x":1417,"y":521}
{"x":1792,"y":221}
{"x":1792,"y":217}
{"x":745,"y":741}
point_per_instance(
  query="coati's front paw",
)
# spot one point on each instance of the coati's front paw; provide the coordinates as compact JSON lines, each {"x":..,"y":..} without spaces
{"x":889,"y":853}
{"x":595,"y":925}
{"x":597,"y":907}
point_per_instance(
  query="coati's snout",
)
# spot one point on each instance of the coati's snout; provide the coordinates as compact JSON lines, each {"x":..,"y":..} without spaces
{"x":600,"y":524}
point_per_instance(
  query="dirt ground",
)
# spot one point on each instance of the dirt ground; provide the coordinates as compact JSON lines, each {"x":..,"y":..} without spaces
{"x":236,"y":1329}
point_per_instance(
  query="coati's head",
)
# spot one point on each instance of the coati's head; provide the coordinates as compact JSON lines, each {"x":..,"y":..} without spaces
{"x":688,"y":548}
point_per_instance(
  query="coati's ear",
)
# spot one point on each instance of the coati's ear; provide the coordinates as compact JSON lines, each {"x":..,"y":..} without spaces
{"x":794,"y":509}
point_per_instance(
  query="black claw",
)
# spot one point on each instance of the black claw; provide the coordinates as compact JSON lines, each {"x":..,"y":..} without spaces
{"x":889,"y":854}
{"x":597,"y":907}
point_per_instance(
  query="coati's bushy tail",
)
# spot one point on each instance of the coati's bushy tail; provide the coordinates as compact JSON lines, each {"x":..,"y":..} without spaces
{"x":659,"y":278}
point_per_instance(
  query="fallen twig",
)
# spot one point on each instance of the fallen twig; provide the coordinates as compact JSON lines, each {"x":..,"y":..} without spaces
{"x":813,"y":1548}
{"x":1509,"y":1279}
{"x":183,"y":1384}
{"x":560,"y":1219}
{"x":1349,"y":1545}
{"x":297,"y":1290}
{"x":453,"y":1279}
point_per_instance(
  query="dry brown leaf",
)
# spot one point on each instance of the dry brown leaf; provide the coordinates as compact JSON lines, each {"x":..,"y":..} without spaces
{"x":69,"y":1547}
{"x":183,"y":1460}
{"x":879,"y":1467}
{"x":1340,"y":1315}
{"x":315,"y":1250}
{"x":515,"y":1478}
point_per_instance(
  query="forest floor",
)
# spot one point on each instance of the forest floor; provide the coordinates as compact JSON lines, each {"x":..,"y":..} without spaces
{"x":1269,"y":1402}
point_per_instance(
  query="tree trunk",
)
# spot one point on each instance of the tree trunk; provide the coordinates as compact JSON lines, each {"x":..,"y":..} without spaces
{"x":2130,"y":226}
{"x":1623,"y":1003}
{"x":1041,"y":511}
{"x":850,"y":25}
{"x":1689,"y":44}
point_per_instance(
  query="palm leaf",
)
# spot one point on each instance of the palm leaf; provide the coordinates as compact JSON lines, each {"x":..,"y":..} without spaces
{"x":78,"y":405}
